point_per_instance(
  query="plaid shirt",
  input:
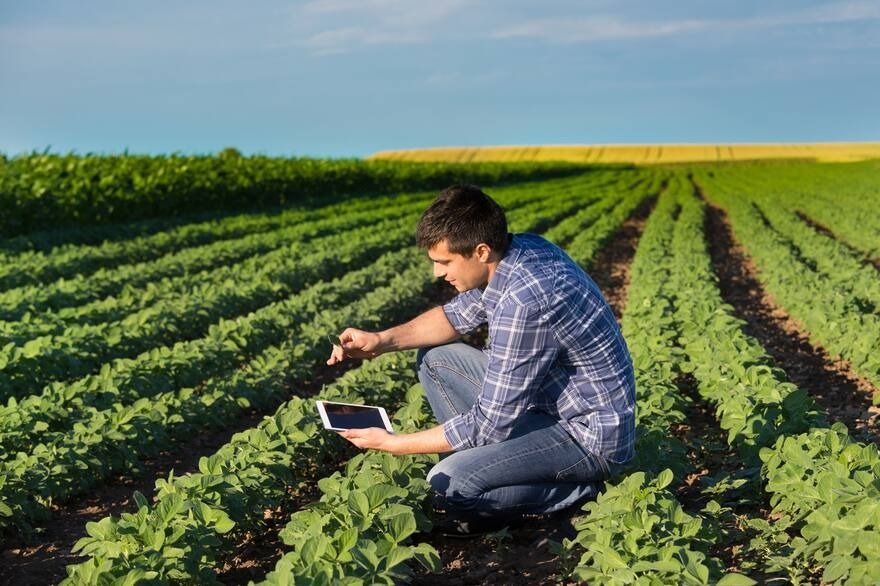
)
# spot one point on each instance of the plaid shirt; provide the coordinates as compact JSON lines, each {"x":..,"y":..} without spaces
{"x":554,"y":346}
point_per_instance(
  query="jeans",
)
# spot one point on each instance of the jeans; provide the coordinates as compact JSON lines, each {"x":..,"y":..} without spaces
{"x":539,"y":469}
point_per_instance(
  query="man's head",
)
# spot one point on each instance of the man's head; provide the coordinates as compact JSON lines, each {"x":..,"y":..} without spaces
{"x":465,"y":234}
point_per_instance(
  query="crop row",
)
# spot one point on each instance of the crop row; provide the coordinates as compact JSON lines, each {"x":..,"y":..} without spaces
{"x":842,"y":198}
{"x":182,"y":365}
{"x":114,"y":439}
{"x":323,"y":537}
{"x":676,"y":547}
{"x":34,"y":267}
{"x":186,"y":364}
{"x":845,"y":269}
{"x":808,"y":469}
{"x":346,"y":535}
{"x":834,"y":319}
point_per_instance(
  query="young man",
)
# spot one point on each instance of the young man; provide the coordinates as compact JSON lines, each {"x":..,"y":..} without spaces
{"x":546,"y":413}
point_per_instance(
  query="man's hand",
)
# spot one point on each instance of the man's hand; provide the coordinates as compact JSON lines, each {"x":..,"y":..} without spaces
{"x":429,"y":441}
{"x":355,"y":344}
{"x":374,"y":438}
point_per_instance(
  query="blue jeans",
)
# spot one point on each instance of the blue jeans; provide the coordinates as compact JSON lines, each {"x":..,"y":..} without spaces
{"x":539,"y":469}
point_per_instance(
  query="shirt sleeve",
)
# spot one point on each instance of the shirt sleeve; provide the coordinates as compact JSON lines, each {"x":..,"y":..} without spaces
{"x":524,"y":348}
{"x":466,"y":311}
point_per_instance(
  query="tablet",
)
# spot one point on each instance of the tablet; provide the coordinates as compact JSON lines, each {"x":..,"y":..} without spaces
{"x":342,"y":416}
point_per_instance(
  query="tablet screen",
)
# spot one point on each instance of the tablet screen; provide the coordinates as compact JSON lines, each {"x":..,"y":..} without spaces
{"x":342,"y":416}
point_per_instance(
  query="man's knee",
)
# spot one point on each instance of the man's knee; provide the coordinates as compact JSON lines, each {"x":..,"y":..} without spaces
{"x":451,"y":487}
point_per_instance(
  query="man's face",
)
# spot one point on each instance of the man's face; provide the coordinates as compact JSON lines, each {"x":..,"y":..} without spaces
{"x":463,"y":273}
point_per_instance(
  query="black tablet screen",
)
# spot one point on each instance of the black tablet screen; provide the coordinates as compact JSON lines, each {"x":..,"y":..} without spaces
{"x":353,"y":416}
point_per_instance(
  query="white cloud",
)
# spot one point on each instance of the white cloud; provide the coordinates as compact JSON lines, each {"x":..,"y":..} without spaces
{"x":610,"y":28}
{"x":602,"y":28}
{"x":373,"y":22}
{"x":342,"y":40}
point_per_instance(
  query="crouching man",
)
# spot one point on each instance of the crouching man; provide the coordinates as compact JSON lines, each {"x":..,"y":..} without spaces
{"x":541,"y":417}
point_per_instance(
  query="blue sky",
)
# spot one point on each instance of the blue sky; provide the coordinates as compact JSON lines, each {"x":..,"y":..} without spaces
{"x":349,"y":77}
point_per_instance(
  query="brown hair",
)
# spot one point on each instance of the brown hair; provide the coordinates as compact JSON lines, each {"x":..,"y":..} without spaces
{"x":465,"y":216}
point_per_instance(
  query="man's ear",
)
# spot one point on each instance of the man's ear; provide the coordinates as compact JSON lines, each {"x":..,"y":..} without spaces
{"x":483,"y":251}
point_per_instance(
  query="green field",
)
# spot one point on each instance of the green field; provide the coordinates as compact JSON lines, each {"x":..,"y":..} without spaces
{"x":163,"y":332}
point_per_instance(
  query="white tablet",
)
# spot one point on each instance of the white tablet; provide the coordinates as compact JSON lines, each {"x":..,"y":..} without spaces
{"x":342,"y":416}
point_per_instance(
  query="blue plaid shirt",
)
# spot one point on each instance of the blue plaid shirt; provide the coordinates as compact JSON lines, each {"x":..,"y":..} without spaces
{"x":554,"y":346}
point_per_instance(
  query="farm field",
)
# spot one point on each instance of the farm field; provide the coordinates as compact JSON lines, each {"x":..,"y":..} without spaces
{"x":158,"y":367}
{"x":640,"y":154}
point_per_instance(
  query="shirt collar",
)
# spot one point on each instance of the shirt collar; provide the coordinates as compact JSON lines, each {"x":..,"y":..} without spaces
{"x":492,"y":292}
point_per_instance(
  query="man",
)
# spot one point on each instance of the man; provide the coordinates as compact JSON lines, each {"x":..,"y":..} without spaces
{"x":546,"y":413}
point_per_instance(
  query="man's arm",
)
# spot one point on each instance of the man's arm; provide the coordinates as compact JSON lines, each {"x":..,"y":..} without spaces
{"x":431,"y":328}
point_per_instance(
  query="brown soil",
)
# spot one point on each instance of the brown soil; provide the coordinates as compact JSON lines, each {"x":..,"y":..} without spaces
{"x":610,"y":270}
{"x":518,"y":557}
{"x":845,"y":396}
{"x":255,"y":554}
{"x":713,"y":459}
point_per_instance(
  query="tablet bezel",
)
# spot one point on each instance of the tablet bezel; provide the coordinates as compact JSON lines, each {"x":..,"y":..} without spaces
{"x":326,"y":420}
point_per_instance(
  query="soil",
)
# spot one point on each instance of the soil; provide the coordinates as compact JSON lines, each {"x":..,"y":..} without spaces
{"x":713,"y":459}
{"x":610,"y":270}
{"x":844,"y":396}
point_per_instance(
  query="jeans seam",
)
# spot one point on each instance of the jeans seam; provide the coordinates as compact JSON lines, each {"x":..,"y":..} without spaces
{"x":432,"y":373}
{"x":434,"y":367}
{"x":602,"y":464}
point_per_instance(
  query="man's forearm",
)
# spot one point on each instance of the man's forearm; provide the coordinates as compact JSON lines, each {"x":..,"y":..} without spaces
{"x":431,"y":328}
{"x":429,"y":441}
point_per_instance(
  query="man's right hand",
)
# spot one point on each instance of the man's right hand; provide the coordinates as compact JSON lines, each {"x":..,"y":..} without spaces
{"x":355,"y":344}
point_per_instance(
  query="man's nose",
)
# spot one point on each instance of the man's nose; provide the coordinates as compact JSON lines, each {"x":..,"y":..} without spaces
{"x":439,"y":272}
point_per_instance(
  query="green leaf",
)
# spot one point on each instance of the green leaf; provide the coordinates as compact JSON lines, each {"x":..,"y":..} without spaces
{"x":397,"y":555}
{"x":401,"y":526}
{"x":664,"y":479}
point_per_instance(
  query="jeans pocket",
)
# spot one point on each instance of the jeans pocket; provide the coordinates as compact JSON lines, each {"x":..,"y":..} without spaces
{"x":590,"y":468}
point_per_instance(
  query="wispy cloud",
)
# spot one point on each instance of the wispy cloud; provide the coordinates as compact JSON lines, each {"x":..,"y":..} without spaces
{"x":342,"y":40}
{"x":379,"y":22}
{"x":610,"y":28}
{"x":600,"y":28}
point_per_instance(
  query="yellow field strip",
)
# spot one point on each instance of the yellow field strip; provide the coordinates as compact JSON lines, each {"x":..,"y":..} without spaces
{"x":642,"y":154}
